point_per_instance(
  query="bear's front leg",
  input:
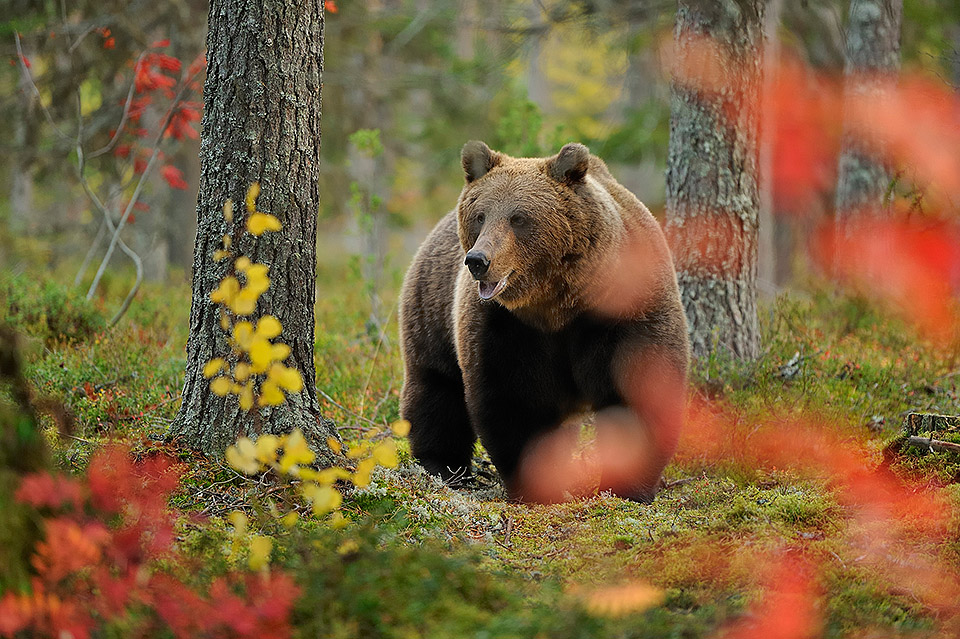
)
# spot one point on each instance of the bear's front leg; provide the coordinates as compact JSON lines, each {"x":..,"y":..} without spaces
{"x":654,"y":385}
{"x":441,"y":438}
{"x":508,"y":419}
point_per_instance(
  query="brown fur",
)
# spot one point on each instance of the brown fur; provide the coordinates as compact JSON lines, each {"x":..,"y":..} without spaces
{"x":514,"y":367}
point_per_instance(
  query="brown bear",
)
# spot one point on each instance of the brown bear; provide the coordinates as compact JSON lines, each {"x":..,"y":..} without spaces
{"x":515,"y":315}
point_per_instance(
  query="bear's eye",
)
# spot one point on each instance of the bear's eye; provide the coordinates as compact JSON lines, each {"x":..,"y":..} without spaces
{"x":518,"y":220}
{"x":480,"y":219}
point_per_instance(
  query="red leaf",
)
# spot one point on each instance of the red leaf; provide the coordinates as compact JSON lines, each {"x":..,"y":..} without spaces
{"x":174,"y":177}
{"x":159,"y":44}
{"x":109,"y":43}
{"x":51,"y":491}
{"x":180,"y":126}
{"x":330,"y":5}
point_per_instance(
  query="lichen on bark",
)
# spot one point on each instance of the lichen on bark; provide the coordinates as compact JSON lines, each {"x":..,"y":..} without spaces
{"x":712,"y":186}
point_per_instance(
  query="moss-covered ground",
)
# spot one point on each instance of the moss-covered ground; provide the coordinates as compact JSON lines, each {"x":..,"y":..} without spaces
{"x":425,"y":560}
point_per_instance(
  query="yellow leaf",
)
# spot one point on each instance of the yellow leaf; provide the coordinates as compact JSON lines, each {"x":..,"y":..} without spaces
{"x":224,"y":320}
{"x":270,"y":394}
{"x":251,"y":199}
{"x":243,"y":456}
{"x":228,"y":210}
{"x":348,"y":547}
{"x":306,"y":474}
{"x":245,"y":303}
{"x":239,"y":521}
{"x":269,"y":327}
{"x":361,"y":477}
{"x":400,"y":428}
{"x":616,"y":601}
{"x":242,"y":263}
{"x":220,"y":386}
{"x":257,"y":280}
{"x":213,"y":367}
{"x":290,"y":519}
{"x":260,"y":547}
{"x":246,"y":396}
{"x":385,"y":454}
{"x":279,"y":352}
{"x":243,"y":334}
{"x":226,"y":291}
{"x":227,"y":241}
{"x":286,"y":378}
{"x":358,"y":450}
{"x":241,"y":371}
{"x":338,"y":521}
{"x":328,"y":476}
{"x":324,"y":498}
{"x":295,"y":451}
{"x":267,"y":446}
{"x":220,"y":255}
{"x":259,"y":223}
{"x":334,"y":444}
{"x":260,"y":351}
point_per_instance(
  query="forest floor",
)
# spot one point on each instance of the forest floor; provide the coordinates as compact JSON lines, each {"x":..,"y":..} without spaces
{"x":737,"y":543}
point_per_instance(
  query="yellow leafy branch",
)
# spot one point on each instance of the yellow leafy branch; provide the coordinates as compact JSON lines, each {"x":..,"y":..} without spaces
{"x":258,"y":375}
{"x":289,"y":455}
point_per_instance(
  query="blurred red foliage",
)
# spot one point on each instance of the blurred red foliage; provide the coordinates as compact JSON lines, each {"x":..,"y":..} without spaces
{"x":108,"y":551}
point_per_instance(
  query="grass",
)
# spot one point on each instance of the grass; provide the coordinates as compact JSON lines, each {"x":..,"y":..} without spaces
{"x":430,"y":561}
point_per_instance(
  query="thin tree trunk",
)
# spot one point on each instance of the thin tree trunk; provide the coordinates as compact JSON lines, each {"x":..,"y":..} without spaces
{"x":768,"y":258}
{"x":261,"y":123}
{"x":712,"y":191}
{"x":872,"y":62}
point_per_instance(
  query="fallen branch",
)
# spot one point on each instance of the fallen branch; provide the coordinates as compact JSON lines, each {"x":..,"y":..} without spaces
{"x":932,"y":444}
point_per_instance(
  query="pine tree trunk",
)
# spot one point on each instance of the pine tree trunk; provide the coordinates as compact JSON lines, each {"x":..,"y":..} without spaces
{"x":873,"y":60}
{"x":712,"y":187}
{"x":261,"y":123}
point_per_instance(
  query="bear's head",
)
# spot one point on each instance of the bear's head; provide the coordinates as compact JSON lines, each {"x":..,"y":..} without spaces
{"x":525,"y":223}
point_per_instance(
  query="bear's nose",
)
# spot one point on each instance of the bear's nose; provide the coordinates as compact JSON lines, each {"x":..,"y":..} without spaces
{"x":478,"y":263}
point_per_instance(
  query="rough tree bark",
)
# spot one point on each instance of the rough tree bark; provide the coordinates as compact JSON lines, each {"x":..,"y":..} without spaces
{"x":872,"y":62}
{"x":712,"y":188}
{"x":261,"y":123}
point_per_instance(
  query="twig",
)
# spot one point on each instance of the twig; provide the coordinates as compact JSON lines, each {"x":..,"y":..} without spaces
{"x":90,"y":253}
{"x":108,"y":222}
{"x":837,"y":557}
{"x":376,"y":352}
{"x":667,"y":485}
{"x":932,"y":444}
{"x":348,"y":411}
{"x":124,"y":115}
{"x":36,"y":91}
{"x":133,"y":200}
{"x":84,"y":34}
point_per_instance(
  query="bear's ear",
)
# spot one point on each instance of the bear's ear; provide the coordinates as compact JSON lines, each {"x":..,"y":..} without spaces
{"x":477,"y":159}
{"x":570,"y":164}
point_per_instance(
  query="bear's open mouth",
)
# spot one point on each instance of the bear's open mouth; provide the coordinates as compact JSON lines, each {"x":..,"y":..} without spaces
{"x":488,"y":290}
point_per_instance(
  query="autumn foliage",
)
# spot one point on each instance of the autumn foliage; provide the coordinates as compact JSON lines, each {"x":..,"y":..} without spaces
{"x":109,"y":556}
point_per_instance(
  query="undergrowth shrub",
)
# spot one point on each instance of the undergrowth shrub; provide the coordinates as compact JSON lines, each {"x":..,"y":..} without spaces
{"x":108,"y":564}
{"x":48,"y":310}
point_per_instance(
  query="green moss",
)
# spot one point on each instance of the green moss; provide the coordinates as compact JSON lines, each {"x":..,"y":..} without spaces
{"x":436,"y":562}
